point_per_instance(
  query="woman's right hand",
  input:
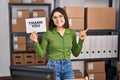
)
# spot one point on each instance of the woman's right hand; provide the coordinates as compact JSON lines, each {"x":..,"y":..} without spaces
{"x":34,"y":36}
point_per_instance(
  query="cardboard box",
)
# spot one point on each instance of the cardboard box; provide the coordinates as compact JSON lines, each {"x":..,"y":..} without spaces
{"x":37,"y":1}
{"x":23,"y":13}
{"x":76,"y":24}
{"x":86,"y":78}
{"x":77,"y":73}
{"x":41,"y":61}
{"x":38,"y":13}
{"x":18,"y":59}
{"x":29,"y":58}
{"x":74,"y":12}
{"x":18,"y":25}
{"x":15,"y":1}
{"x":93,"y":67}
{"x":19,"y":39}
{"x":29,"y":62}
{"x":101,"y":18}
{"x":16,"y":28}
{"x":19,"y":47}
{"x":97,"y":76}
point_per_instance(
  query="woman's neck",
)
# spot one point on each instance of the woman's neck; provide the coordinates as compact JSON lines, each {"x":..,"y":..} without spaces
{"x":61,"y":31}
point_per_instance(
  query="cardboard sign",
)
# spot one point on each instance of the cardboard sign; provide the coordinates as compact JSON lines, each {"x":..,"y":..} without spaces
{"x":35,"y":24}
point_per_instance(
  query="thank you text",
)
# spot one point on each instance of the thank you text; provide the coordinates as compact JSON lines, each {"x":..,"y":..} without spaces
{"x":35,"y":24}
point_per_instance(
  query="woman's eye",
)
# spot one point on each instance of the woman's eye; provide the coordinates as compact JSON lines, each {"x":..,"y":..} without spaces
{"x":60,"y":16}
{"x":54,"y":17}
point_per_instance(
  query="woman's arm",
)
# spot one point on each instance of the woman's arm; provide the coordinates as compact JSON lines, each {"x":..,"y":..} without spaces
{"x":39,"y":49}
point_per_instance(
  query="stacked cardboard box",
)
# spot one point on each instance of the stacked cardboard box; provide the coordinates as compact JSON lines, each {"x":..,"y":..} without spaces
{"x":95,"y":70}
{"x":18,"y":23}
{"x":76,"y":17}
{"x":19,"y":43}
{"x":37,"y":1}
{"x":41,"y":61}
{"x":38,"y":13}
{"x":29,"y":58}
{"x":15,"y":1}
{"x":18,"y":59}
{"x":100,"y":18}
{"x":77,"y":73}
{"x":83,"y":78}
{"x":26,"y":1}
{"x":93,"y":18}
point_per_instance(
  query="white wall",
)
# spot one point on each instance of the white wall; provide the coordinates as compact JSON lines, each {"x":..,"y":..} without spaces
{"x":4,"y":39}
{"x":84,"y":3}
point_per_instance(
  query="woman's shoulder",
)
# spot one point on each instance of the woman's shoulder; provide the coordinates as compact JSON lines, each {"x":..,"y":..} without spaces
{"x":48,"y":31}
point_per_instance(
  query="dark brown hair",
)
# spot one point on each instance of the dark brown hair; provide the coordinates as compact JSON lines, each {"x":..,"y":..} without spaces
{"x":62,"y":11}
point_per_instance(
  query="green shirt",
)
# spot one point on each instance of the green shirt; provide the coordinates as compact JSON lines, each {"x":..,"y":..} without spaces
{"x":59,"y":47}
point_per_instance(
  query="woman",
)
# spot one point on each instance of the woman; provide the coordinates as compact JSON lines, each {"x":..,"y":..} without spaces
{"x":59,"y":41}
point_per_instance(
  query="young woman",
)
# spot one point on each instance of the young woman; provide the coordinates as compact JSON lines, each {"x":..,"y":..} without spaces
{"x":59,"y":42}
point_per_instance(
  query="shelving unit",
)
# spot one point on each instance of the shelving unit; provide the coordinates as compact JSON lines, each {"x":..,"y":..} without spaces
{"x":24,"y":53}
{"x":118,"y":26}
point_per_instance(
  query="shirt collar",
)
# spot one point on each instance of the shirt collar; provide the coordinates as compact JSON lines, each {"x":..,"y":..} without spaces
{"x":67,"y":30}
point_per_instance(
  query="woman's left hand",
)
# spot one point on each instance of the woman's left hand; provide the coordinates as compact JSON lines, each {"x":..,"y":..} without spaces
{"x":82,"y":34}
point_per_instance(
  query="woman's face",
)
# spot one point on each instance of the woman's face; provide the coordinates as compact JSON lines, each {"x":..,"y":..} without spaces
{"x":58,"y":19}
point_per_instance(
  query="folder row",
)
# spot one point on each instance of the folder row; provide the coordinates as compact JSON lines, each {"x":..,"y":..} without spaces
{"x":99,"y":46}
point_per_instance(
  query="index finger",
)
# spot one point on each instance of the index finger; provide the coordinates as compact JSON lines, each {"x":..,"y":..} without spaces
{"x":86,"y":30}
{"x":34,"y":32}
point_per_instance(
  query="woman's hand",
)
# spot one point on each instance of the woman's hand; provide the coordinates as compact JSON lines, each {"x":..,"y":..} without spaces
{"x":82,"y":34}
{"x":34,"y":36}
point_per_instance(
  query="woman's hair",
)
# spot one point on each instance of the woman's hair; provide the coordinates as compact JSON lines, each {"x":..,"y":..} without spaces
{"x":62,"y":11}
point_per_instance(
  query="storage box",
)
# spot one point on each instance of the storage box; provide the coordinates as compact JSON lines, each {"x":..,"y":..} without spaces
{"x":77,"y":73}
{"x":18,"y":59}
{"x":19,"y":39}
{"x":86,"y":78}
{"x":18,"y":25}
{"x":23,"y":13}
{"x":101,"y":18}
{"x":29,"y":58}
{"x":19,"y":47}
{"x":15,"y":1}
{"x":93,"y":67}
{"x":76,"y":24}
{"x":38,"y":13}
{"x":41,"y":61}
{"x":37,"y":1}
{"x":97,"y":76}
{"x":74,"y":12}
